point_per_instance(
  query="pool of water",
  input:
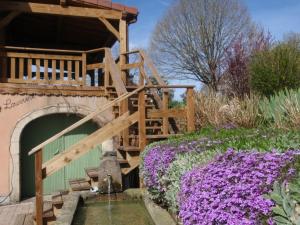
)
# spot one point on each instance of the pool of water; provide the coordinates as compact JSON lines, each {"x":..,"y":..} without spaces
{"x":112,"y":212}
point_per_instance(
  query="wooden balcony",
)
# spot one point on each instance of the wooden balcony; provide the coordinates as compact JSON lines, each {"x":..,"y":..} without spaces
{"x":48,"y":71}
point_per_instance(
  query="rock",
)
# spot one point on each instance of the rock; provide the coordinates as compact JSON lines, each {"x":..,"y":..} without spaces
{"x":110,"y":169}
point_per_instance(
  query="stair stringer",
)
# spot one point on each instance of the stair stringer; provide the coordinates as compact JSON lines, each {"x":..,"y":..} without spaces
{"x":85,"y":145}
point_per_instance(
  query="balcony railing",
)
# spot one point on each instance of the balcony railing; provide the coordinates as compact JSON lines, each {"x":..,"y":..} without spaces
{"x":43,"y":66}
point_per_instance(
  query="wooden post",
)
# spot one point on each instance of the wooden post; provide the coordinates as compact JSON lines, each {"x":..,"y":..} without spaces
{"x":123,"y":30}
{"x":142,"y":126}
{"x":142,"y":120}
{"x":190,"y":110}
{"x":4,"y":69}
{"x":83,"y":68}
{"x":165,"y":108}
{"x":106,"y":73}
{"x":2,"y":55}
{"x":39,"y":187}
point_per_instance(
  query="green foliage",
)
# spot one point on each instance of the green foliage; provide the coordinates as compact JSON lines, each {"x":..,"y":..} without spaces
{"x":285,"y":210}
{"x":276,"y":69}
{"x":182,"y":164}
{"x":286,"y":196}
{"x":260,"y":139}
{"x":282,"y":109}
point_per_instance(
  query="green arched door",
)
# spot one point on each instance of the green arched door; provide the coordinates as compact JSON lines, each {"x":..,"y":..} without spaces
{"x":40,"y":130}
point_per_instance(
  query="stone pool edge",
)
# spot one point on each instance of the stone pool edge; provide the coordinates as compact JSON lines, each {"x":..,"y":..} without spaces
{"x":68,"y":210}
{"x":159,"y":215}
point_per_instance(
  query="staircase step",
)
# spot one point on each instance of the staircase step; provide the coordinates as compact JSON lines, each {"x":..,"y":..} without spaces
{"x":57,"y":198}
{"x":127,"y":170}
{"x":147,"y":105}
{"x":123,"y":161}
{"x":47,"y":210}
{"x":130,"y":149}
{"x":136,"y":99}
{"x":163,"y":136}
{"x":154,"y":128}
{"x":154,"y":120}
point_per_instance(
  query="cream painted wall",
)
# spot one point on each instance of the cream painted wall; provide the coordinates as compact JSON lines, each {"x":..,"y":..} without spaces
{"x":17,"y":108}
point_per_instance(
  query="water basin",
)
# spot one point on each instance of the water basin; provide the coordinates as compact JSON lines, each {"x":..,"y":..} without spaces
{"x":103,"y":211}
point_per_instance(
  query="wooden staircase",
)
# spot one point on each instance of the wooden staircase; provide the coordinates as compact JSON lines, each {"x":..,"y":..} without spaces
{"x":141,"y":115}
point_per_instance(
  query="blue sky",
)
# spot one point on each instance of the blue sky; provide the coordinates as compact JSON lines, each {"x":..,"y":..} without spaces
{"x":277,"y":16}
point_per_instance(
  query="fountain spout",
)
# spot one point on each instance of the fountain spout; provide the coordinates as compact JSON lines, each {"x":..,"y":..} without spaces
{"x":110,"y":178}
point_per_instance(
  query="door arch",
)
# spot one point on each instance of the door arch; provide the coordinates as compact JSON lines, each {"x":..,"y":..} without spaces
{"x":40,"y":130}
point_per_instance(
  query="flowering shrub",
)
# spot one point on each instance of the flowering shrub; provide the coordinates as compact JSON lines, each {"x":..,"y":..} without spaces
{"x":182,"y":164}
{"x":157,"y":159}
{"x":230,"y":189}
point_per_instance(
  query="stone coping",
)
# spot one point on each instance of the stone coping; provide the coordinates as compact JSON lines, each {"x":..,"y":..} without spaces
{"x":159,"y":215}
{"x":67,"y":212}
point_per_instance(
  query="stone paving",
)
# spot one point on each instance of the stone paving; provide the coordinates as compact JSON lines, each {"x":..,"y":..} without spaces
{"x":9,"y":213}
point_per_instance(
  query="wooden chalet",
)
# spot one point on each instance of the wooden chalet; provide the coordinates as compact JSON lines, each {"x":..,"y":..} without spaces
{"x":56,"y":58}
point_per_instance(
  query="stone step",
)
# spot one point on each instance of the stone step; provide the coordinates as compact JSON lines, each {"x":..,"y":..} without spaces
{"x":92,"y":172}
{"x":80,"y":184}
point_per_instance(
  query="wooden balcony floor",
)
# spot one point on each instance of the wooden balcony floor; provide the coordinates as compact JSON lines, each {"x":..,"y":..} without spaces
{"x":34,"y":89}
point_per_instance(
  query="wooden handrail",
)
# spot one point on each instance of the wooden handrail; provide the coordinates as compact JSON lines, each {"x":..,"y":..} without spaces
{"x":131,"y":52}
{"x":155,"y":94}
{"x":83,"y":120}
{"x":96,"y":50}
{"x":170,"y":86}
{"x":42,"y":49}
{"x":53,"y":50}
{"x":154,"y":71}
{"x":115,"y":73}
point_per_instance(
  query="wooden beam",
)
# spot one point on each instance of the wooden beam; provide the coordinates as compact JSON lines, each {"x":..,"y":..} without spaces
{"x":115,"y":73}
{"x":130,"y":66}
{"x":165,"y":105}
{"x":110,"y":27}
{"x":123,"y":30}
{"x":21,"y":89}
{"x":153,"y":69}
{"x":167,"y":113}
{"x":5,"y":21}
{"x":95,"y":66}
{"x":85,"y":119}
{"x":30,"y":7}
{"x":39,"y":187}
{"x":41,"y":56}
{"x":79,"y":149}
{"x":84,"y":70}
{"x":142,"y":120}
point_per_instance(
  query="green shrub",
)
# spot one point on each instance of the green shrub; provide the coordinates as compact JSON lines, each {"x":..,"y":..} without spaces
{"x":276,"y":69}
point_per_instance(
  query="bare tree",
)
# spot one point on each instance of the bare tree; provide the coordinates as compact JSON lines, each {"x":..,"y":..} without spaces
{"x":191,"y":39}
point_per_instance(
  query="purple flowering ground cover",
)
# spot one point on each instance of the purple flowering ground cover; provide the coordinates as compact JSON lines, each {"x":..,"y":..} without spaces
{"x":157,"y":159}
{"x":230,"y":189}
